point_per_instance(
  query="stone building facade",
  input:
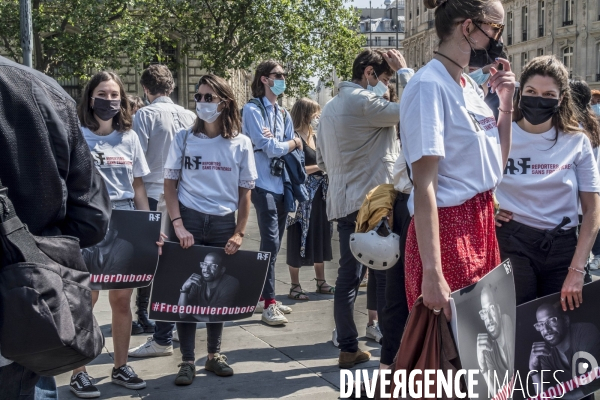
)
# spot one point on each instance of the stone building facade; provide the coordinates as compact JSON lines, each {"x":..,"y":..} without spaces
{"x":569,"y":29}
{"x":381,"y":27}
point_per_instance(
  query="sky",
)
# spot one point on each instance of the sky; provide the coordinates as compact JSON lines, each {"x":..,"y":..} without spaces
{"x":365,"y":3}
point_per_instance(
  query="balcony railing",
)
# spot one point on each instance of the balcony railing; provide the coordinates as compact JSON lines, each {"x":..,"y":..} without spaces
{"x":509,"y":39}
{"x":380,"y":43}
{"x":524,"y":39}
{"x":540,"y":30}
{"x":567,"y":23}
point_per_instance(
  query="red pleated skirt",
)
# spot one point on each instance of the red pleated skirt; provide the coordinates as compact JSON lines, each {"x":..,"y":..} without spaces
{"x":467,"y":241}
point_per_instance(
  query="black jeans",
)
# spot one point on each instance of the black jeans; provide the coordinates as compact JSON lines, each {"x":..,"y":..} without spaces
{"x":271,"y":224}
{"x":394,"y":315}
{"x":376,"y":292}
{"x":537,"y":272}
{"x":208,"y":230}
{"x":350,"y":273}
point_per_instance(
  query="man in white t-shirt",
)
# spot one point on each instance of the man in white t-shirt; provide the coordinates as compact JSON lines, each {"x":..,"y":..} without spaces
{"x":156,"y":124}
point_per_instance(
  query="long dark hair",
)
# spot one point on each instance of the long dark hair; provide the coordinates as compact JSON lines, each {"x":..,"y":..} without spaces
{"x":231,"y":121}
{"x":582,"y":95}
{"x":120,"y":122}
{"x":565,"y":119}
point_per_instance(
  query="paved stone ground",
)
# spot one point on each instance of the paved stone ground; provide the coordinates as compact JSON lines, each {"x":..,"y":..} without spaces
{"x":295,"y":361}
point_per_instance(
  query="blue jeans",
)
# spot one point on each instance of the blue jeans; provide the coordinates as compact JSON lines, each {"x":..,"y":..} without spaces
{"x":19,"y":383}
{"x":271,"y":224}
{"x":350,"y":273}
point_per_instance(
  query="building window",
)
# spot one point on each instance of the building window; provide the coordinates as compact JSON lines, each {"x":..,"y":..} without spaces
{"x":568,"y":58}
{"x":509,"y":30}
{"x":422,"y":53}
{"x":540,"y":52}
{"x":568,"y":20}
{"x":598,"y":63}
{"x":367,"y":41}
{"x":524,"y":20}
{"x":524,"y":60}
{"x":368,"y":25}
{"x":377,"y":40}
{"x":417,"y":11}
{"x":391,"y":41}
{"x":541,"y":16}
{"x":510,"y":59}
{"x":409,"y":15}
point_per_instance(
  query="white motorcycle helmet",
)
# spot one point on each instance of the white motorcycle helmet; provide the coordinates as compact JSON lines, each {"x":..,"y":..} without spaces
{"x":375,"y":251}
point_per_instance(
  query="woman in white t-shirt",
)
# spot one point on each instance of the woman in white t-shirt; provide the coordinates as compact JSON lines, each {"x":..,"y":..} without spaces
{"x":550,"y":170}
{"x":456,"y":152}
{"x":105,"y":118}
{"x":209,"y":174}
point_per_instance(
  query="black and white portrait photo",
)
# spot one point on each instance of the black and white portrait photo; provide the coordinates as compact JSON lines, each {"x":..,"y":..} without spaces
{"x":560,"y":350}
{"x":211,"y":286}
{"x":485,"y":315}
{"x":127,"y":256}
{"x":203,"y":284}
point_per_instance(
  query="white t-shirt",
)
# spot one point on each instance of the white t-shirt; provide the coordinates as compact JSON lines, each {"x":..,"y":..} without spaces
{"x":542,"y":180}
{"x":438,"y":117}
{"x":212,"y":170}
{"x":119,"y":158}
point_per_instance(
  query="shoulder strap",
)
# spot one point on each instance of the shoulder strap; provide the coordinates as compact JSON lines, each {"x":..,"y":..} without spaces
{"x":16,"y":243}
{"x":185,"y":139}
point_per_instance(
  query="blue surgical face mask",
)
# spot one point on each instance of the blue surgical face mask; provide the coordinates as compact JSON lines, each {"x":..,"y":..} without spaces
{"x":278,"y":86}
{"x":380,"y":89}
{"x":596,"y":109}
{"x":479,"y":77}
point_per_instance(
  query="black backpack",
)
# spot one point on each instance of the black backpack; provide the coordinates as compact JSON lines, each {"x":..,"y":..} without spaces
{"x":46,"y":319}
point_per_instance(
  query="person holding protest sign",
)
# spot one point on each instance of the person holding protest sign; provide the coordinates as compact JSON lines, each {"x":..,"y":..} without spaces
{"x":209,"y":174}
{"x":105,"y":116}
{"x":551,"y":159}
{"x":451,"y":242}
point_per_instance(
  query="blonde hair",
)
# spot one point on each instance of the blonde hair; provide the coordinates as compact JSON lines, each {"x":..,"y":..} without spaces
{"x":302,"y":113}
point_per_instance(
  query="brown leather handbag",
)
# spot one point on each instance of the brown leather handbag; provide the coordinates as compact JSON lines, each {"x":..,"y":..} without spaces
{"x":427,"y":343}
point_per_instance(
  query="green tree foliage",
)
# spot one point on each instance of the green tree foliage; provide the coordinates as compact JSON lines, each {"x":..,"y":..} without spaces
{"x":76,"y":37}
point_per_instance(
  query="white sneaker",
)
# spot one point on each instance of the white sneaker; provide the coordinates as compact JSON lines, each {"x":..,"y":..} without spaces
{"x":373,"y":332}
{"x":595,"y":263}
{"x":150,"y":349}
{"x":175,"y":336}
{"x":260,"y":307}
{"x":273,"y":316}
{"x":334,"y":338}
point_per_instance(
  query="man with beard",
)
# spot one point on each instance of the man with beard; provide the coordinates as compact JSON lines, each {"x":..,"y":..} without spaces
{"x":109,"y":257}
{"x":562,"y":340}
{"x":211,"y":288}
{"x":495,"y":349}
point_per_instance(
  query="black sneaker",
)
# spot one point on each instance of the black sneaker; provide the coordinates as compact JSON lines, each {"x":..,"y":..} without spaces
{"x":83,"y":387}
{"x":136,"y":328}
{"x":125,"y":376}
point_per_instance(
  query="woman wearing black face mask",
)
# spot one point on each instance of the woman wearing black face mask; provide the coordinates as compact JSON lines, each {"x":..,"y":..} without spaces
{"x":105,"y":117}
{"x":550,"y":168}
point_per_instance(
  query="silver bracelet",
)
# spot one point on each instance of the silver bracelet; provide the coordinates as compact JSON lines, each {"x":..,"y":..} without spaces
{"x":578,"y":270}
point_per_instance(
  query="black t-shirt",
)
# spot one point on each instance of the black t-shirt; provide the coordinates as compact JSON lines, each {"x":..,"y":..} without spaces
{"x":310,"y":156}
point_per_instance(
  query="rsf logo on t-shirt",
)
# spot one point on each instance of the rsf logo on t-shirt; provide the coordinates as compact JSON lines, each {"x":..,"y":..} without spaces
{"x":192,"y":162}
{"x":98,"y":158}
{"x":523,"y":166}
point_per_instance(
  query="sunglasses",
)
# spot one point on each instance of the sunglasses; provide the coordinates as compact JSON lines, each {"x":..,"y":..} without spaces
{"x":278,"y":75}
{"x":499,"y":28}
{"x":208,"y":97}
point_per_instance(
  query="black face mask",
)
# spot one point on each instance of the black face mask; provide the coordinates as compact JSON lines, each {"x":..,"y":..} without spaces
{"x":537,"y":110}
{"x":106,"y":109}
{"x":482,"y":57}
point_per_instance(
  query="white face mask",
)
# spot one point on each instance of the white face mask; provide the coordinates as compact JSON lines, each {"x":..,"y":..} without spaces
{"x":208,"y":111}
{"x":315,"y":123}
{"x":380,"y":89}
